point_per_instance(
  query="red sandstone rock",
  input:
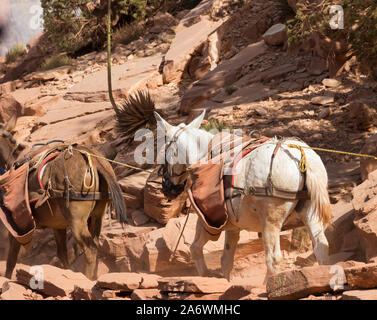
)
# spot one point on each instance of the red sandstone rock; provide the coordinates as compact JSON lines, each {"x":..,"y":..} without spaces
{"x":145,"y":294}
{"x":124,"y":281}
{"x":359,"y":295}
{"x":298,"y":284}
{"x":362,"y":275}
{"x":56,"y":282}
{"x":193,"y":284}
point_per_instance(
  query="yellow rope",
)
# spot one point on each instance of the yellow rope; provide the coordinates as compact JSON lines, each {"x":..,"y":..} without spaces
{"x":117,"y":162}
{"x":91,"y":170}
{"x":303,"y":162}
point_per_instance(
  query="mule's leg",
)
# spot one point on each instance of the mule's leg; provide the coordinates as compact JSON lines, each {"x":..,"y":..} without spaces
{"x":196,"y":249}
{"x":79,"y":224}
{"x":61,"y":246}
{"x":230,"y":245}
{"x":272,"y":213}
{"x":271,"y":243}
{"x":96,"y":219}
{"x":316,"y":231}
{"x":14,"y":249}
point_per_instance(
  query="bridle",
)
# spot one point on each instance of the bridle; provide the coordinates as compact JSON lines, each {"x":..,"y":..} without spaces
{"x":168,"y":187}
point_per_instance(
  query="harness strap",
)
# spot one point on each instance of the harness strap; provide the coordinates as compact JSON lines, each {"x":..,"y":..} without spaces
{"x":78,"y":196}
{"x":270,"y":185}
{"x":270,"y":190}
{"x":277,"y":193}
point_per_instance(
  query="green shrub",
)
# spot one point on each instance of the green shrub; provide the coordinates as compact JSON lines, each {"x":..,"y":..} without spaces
{"x":215,"y":124}
{"x":15,"y":52}
{"x":56,"y":62}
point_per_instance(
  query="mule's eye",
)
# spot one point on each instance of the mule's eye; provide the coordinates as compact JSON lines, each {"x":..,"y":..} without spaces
{"x":5,"y":134}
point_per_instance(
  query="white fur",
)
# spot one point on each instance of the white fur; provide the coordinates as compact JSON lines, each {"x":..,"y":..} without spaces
{"x":264,"y":214}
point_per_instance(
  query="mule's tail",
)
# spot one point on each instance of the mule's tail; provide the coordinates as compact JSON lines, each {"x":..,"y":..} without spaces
{"x":105,"y":170}
{"x":316,"y":182}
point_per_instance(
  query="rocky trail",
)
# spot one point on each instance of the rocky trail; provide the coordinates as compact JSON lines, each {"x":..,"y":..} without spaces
{"x":232,"y":60}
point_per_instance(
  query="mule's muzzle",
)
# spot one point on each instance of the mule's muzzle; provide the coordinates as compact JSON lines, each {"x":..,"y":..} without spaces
{"x":171,"y":190}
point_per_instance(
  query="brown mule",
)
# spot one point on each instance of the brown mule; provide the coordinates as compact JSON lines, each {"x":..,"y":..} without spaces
{"x":83,"y":217}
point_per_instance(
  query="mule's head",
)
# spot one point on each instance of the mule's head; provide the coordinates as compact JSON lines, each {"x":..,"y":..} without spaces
{"x":183,"y":147}
{"x":9,"y":149}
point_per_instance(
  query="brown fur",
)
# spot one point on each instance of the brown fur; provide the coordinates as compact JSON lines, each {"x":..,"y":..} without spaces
{"x":83,"y":217}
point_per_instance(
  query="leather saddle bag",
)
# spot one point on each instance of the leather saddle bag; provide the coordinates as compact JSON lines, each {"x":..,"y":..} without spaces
{"x":15,"y":211}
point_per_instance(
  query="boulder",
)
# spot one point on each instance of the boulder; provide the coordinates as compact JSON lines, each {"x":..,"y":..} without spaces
{"x":145,"y":294}
{"x":9,"y":107}
{"x":54,"y":74}
{"x":343,"y":215}
{"x":156,"y":204}
{"x":324,"y":113}
{"x":149,"y":281}
{"x":139,"y":218}
{"x":133,"y":202}
{"x":359,"y":295}
{"x":362,"y":114}
{"x":14,"y":291}
{"x":237,"y":291}
{"x":364,"y":195}
{"x":2,"y":281}
{"x":276,"y":35}
{"x":134,"y":184}
{"x":297,"y":284}
{"x":164,"y":20}
{"x":331,"y":83}
{"x":191,"y":33}
{"x":133,"y":188}
{"x":56,"y":282}
{"x":123,"y":281}
{"x":7,"y":87}
{"x":322,"y":100}
{"x":368,"y":165}
{"x":367,"y":232}
{"x":362,"y":275}
{"x":35,"y":111}
{"x":86,"y":291}
{"x":227,"y":73}
{"x":204,"y":285}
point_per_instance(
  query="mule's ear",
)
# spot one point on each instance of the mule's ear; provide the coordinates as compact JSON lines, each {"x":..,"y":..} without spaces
{"x":11,"y":124}
{"x":196,"y":123}
{"x":162,"y":123}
